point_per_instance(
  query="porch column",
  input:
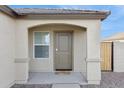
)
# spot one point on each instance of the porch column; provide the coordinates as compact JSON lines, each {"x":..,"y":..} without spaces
{"x":21,"y":57}
{"x":93,"y":54}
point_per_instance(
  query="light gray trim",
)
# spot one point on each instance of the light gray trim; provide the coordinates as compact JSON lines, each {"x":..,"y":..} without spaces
{"x":35,"y":13}
{"x":93,"y":60}
{"x":21,"y":60}
{"x":26,"y":11}
{"x":63,"y":16}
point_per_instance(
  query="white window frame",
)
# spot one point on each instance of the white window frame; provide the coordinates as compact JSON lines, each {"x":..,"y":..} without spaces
{"x":40,"y":44}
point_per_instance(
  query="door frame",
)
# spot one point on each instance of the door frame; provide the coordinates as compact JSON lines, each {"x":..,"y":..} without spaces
{"x":72,"y":46}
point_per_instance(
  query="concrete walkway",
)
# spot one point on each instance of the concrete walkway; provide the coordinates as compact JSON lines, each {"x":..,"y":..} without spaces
{"x":65,"y":86}
{"x":56,"y":78}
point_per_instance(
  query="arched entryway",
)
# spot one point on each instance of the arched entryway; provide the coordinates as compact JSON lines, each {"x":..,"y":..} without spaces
{"x":57,"y":46}
{"x":72,"y":37}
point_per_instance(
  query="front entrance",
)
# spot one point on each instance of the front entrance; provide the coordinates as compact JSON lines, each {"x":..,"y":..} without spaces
{"x":63,"y":51}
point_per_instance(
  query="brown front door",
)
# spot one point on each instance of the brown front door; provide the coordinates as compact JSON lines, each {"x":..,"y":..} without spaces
{"x":63,"y":51}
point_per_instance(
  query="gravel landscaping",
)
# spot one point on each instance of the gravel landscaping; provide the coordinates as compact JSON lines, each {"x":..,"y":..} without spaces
{"x":109,"y":80}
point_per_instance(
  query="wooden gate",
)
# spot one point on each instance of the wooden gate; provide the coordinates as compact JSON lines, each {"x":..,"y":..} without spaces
{"x":106,"y":55}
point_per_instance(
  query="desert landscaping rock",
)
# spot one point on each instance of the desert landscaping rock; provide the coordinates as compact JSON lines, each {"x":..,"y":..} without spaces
{"x":109,"y":80}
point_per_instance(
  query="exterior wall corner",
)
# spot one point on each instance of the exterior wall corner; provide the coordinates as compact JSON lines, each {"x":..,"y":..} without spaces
{"x":22,"y":69}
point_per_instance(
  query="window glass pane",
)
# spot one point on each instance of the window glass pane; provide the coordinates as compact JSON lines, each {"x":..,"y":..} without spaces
{"x":42,"y":38}
{"x":45,"y":38}
{"x":41,"y":51}
{"x":37,"y":37}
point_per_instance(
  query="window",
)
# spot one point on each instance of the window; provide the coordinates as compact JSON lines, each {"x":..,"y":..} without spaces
{"x":41,"y":44}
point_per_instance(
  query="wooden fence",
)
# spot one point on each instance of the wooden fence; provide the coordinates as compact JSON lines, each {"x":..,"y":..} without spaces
{"x":106,"y":55}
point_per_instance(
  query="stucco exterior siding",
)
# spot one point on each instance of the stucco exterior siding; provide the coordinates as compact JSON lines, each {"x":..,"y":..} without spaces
{"x":92,"y":45}
{"x":79,"y":49}
{"x":23,"y":25}
{"x":7,"y":50}
{"x":93,"y":40}
{"x":40,"y":65}
{"x":85,"y":44}
{"x":93,"y":54}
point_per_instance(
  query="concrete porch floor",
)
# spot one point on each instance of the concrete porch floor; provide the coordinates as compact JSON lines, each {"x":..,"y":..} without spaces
{"x":56,"y":78}
{"x":109,"y":80}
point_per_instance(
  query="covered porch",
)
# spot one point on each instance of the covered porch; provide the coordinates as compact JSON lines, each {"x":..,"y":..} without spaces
{"x":85,"y":66}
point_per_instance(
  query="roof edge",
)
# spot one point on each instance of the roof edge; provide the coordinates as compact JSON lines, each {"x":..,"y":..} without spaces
{"x":107,"y":14}
{"x":7,"y":10}
{"x":11,"y":12}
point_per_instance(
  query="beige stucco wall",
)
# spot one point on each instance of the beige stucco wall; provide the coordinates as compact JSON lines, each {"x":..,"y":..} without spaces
{"x":93,"y":35}
{"x":80,"y":50}
{"x":47,"y":64}
{"x":7,"y":46}
{"x":15,"y":48}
